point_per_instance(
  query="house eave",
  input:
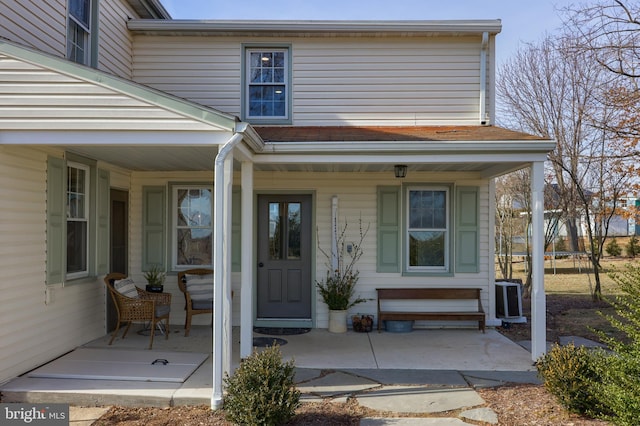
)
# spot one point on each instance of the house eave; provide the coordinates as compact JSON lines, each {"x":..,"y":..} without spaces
{"x":313,"y":27}
{"x":149,"y":9}
{"x":410,"y":147}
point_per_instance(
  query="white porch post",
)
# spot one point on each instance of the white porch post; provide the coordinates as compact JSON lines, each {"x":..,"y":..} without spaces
{"x":248,"y":249}
{"x":221,"y":350}
{"x":538,"y":301}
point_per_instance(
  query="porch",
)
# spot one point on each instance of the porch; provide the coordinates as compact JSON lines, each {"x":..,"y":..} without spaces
{"x":443,"y":358}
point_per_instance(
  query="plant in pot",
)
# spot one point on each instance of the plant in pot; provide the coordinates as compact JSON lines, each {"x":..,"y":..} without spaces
{"x":155,"y":279}
{"x":337,"y":289}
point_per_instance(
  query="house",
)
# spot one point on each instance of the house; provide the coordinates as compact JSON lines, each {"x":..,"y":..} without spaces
{"x":128,"y":139}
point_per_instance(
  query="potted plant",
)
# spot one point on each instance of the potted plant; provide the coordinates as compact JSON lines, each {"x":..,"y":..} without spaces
{"x":155,"y":279}
{"x":337,"y":289}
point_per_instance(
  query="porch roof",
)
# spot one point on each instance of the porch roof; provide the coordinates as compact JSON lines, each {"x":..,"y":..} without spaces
{"x":391,"y":134}
{"x":486,"y":151}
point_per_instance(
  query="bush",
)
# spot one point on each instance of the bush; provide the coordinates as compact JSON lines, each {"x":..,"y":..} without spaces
{"x":262,"y":391}
{"x":620,"y":389}
{"x":633,"y":247}
{"x":570,"y":373}
{"x":613,"y":248}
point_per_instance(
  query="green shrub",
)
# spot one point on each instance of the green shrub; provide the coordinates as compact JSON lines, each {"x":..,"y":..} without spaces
{"x":570,"y":374}
{"x":613,"y":248}
{"x":262,"y":390}
{"x":619,"y":389}
{"x":633,"y":247}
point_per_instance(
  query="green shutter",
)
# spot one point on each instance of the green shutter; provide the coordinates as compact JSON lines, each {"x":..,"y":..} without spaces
{"x":388,"y":229}
{"x":56,"y":220}
{"x":153,"y":227}
{"x":102,"y":214}
{"x":236,"y":221}
{"x":467,"y":229}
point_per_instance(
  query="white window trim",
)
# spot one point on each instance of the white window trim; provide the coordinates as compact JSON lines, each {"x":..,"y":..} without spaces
{"x":247,"y":83}
{"x":87,"y":218}
{"x":87,"y":30}
{"x":448,"y":230}
{"x":174,"y":224}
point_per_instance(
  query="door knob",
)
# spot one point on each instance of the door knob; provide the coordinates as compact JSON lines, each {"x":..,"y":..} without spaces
{"x":260,"y":264}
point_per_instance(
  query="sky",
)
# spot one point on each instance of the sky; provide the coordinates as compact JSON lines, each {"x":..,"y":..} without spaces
{"x":522,"y":20}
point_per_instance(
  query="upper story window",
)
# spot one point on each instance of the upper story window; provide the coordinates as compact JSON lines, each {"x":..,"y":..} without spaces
{"x":77,"y":220}
{"x":428,"y":229}
{"x":79,"y":31}
{"x":267,"y":89}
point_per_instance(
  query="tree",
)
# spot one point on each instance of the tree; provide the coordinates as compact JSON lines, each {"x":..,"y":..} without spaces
{"x":553,"y":89}
{"x":609,"y":31}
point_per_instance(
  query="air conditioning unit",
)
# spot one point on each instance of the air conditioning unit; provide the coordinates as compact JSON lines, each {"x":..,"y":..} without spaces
{"x":508,"y":299}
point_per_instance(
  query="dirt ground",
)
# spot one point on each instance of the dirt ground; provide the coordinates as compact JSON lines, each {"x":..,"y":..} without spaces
{"x":515,"y":405}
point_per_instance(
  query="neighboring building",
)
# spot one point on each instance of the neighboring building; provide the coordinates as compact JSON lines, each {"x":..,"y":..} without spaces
{"x":116,"y":164}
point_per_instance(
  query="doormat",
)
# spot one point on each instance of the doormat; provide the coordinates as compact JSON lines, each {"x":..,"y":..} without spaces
{"x":264,"y":342}
{"x":119,"y":364}
{"x":281,"y":331}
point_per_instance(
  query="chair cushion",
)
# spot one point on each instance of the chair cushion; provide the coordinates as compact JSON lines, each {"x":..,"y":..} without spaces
{"x":200,"y":287}
{"x":162,"y":310}
{"x":126,"y":287}
{"x":202,"y":304}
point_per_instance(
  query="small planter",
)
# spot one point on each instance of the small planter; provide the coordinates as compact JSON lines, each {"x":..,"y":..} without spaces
{"x":362,"y":323}
{"x":337,"y":321}
{"x":393,"y":326}
{"x":154,"y":288}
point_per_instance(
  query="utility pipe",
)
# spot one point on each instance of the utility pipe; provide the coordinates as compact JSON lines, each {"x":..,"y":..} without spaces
{"x":221,"y":351}
{"x":483,"y":77}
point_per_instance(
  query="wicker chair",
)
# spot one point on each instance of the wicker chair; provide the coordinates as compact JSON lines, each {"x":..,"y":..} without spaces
{"x":152,"y":307}
{"x":198,"y":306}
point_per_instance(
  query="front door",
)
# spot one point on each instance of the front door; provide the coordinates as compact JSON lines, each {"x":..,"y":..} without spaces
{"x":284,"y":258}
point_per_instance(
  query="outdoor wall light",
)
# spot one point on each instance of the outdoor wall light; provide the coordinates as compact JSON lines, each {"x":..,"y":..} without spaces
{"x":400,"y":170}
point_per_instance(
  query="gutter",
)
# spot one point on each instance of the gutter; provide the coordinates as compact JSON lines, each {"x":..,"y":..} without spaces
{"x":398,"y":147}
{"x":492,"y":26}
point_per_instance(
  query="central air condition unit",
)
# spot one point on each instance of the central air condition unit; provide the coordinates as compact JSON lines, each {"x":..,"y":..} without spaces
{"x":508,"y":299}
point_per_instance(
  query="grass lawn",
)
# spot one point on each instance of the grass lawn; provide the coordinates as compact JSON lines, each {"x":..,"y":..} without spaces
{"x":570,"y":308}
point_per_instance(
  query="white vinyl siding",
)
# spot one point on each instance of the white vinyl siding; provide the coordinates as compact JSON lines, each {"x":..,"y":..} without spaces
{"x":336,"y":81}
{"x":115,"y":43}
{"x":203,"y":70}
{"x":40,"y":322}
{"x":38,"y":24}
{"x":33,"y":97}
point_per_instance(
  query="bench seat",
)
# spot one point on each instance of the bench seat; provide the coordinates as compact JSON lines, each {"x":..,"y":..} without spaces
{"x":431,"y":294}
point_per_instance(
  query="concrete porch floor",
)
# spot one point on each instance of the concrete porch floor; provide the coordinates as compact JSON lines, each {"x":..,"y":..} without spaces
{"x":442,"y":358}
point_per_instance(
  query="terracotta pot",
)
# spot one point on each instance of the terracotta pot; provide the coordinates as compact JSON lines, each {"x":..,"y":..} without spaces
{"x":337,"y":321}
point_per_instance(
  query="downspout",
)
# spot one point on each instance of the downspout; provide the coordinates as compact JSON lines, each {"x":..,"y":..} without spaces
{"x":221,"y":351}
{"x":483,"y":78}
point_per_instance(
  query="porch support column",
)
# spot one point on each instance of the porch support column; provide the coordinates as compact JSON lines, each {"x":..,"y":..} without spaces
{"x":221,"y":350}
{"x":247,"y":262}
{"x":538,"y":301}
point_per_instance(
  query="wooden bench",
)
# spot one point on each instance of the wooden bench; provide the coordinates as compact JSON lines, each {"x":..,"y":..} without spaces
{"x":431,"y":294}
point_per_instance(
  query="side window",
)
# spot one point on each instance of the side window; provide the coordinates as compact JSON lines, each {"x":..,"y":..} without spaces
{"x":192,"y":226}
{"x":79,"y":31}
{"x":267,"y":85}
{"x":77,"y":220}
{"x":428,"y":229}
